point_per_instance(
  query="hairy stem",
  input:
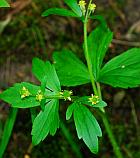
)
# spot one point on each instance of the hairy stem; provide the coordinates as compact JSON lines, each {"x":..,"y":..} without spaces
{"x":97,"y":91}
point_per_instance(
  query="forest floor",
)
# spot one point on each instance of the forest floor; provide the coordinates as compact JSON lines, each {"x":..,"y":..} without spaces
{"x":25,"y":34}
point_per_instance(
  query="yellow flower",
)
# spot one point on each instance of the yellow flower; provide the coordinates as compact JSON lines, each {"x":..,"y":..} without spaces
{"x":39,"y":96}
{"x":24,"y":92}
{"x":66,"y":94}
{"x":94,"y":99}
{"x":82,"y":4}
{"x":92,"y":7}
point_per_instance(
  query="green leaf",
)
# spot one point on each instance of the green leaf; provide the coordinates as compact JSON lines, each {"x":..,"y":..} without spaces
{"x":87,"y":126}
{"x":46,"y":122}
{"x":13,"y":97}
{"x":52,"y":79}
{"x":45,"y":72}
{"x":74,"y":6}
{"x":3,"y":3}
{"x":122,"y":71}
{"x":71,"y":71}
{"x":85,"y":100}
{"x":58,"y":11}
{"x":39,"y":69}
{"x":8,"y":130}
{"x":69,"y":111}
{"x":98,"y":42}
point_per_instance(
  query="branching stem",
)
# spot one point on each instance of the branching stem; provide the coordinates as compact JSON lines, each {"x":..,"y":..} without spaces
{"x":97,"y":91}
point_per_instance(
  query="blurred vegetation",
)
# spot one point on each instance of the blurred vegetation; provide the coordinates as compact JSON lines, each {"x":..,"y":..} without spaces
{"x":24,"y":34}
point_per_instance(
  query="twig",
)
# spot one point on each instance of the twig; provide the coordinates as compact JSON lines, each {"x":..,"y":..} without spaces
{"x":127,"y":152}
{"x":127,"y":43}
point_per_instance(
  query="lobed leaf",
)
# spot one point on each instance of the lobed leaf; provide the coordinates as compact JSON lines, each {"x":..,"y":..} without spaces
{"x":45,"y":73}
{"x":71,"y":71}
{"x":122,"y":71}
{"x":87,"y":126}
{"x":13,"y":97}
{"x":98,"y":43}
{"x":46,"y":122}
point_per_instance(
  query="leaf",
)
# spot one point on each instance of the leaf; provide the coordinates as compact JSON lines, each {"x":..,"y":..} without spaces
{"x":98,"y":42}
{"x":52,"y":78}
{"x":39,"y":68}
{"x":122,"y":71}
{"x":13,"y":97}
{"x":58,"y":11}
{"x":87,"y":127}
{"x":69,"y":111}
{"x":8,"y":127}
{"x":85,"y":100}
{"x":71,"y":71}
{"x":3,"y":3}
{"x":45,"y":72}
{"x":46,"y":122}
{"x":74,"y":6}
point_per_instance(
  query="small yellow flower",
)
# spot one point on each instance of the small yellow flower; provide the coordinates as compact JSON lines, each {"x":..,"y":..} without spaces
{"x":39,"y":96}
{"x":66,"y":94}
{"x":92,"y":7}
{"x":82,"y":5}
{"x":94,"y":99}
{"x":24,"y":92}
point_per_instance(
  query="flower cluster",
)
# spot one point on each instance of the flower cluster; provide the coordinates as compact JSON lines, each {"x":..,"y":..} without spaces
{"x":91,"y":7}
{"x":94,"y":99}
{"x":66,"y":94}
{"x":24,"y":92}
{"x":39,"y":96}
{"x":82,"y":5}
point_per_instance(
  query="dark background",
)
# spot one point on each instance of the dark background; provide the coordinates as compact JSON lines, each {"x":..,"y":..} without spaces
{"x":24,"y":34}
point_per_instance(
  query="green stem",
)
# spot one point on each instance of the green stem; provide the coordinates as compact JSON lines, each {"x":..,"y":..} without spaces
{"x":88,"y":58}
{"x":111,"y":136}
{"x":97,"y":91}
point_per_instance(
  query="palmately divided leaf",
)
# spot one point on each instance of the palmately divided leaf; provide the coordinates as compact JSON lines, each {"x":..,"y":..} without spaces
{"x":98,"y":43}
{"x":13,"y":97}
{"x":71,"y":71}
{"x":122,"y":71}
{"x":3,"y":3}
{"x":59,"y":11}
{"x":45,"y":72}
{"x":74,"y":6}
{"x":87,"y":126}
{"x":46,"y":122}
